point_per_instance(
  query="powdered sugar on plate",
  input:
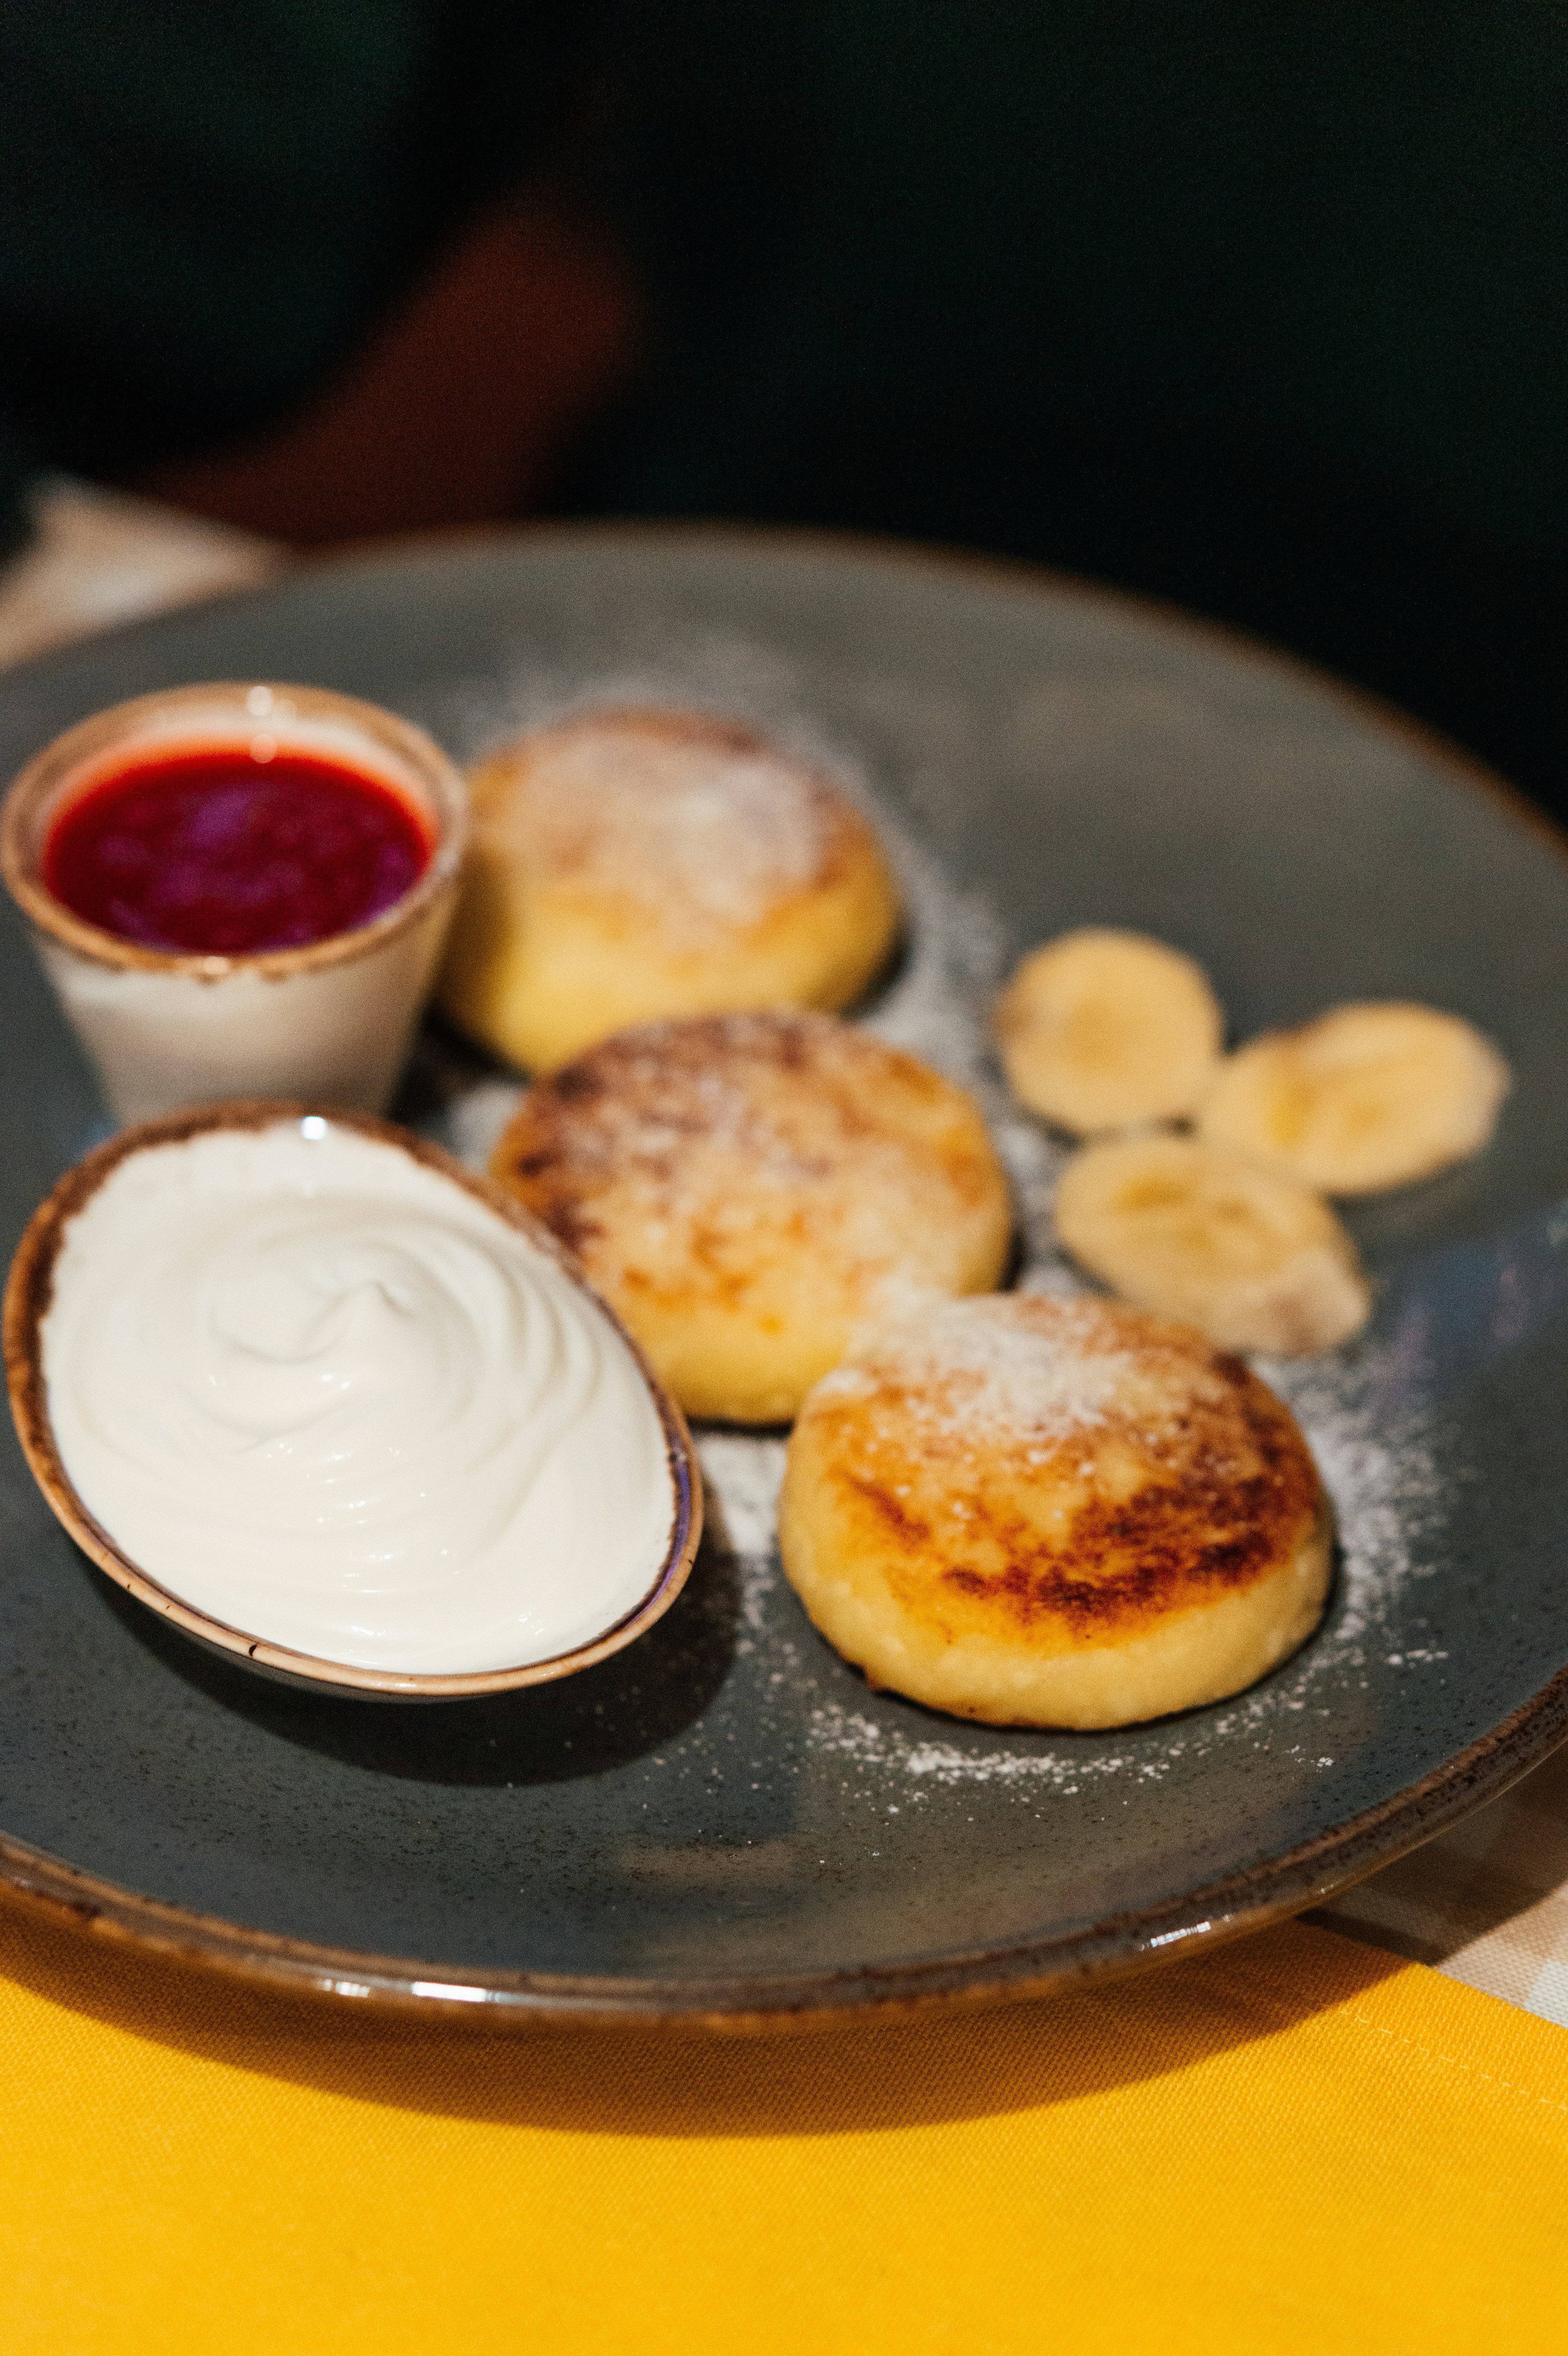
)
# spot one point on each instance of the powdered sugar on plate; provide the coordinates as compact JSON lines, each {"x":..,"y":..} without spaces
{"x":1374,"y":1436}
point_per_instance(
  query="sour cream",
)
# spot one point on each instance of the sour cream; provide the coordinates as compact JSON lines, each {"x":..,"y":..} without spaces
{"x":316,"y":1388}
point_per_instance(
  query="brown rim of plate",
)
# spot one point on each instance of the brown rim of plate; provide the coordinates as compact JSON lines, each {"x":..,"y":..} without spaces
{"x":410,"y":746}
{"x":1301,"y":1878}
{"x":479,"y":1997}
{"x":28,"y":1292}
{"x":984,"y":567}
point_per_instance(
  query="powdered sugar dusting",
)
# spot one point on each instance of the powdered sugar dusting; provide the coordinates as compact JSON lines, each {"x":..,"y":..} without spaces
{"x":1372,"y":1431}
{"x":1388,"y":1489}
{"x":476,"y":1117}
{"x":1380,"y":1468}
{"x":851,"y":1734}
{"x":743,"y":1473}
{"x":986,"y":1369}
{"x":688,"y":1134}
{"x":706,"y":834}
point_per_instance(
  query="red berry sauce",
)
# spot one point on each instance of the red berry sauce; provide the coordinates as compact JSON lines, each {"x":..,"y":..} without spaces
{"x":222,"y":853}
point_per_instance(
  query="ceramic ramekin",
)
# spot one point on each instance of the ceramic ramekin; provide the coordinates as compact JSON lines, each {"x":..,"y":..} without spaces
{"x":28,"y":1294}
{"x":332,"y":1019}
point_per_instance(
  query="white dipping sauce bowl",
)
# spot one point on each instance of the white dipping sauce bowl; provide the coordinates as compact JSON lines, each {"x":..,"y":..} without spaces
{"x":38,"y":1279}
{"x":331,"y":1020}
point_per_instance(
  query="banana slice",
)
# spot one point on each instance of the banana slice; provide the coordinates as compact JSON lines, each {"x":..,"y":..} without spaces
{"x":1364,"y":1098}
{"x":1253,"y":1259}
{"x":1100,"y":1030}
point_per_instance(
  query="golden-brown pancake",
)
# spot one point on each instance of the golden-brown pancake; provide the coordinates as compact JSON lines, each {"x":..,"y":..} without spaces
{"x":632,"y":864}
{"x":1048,"y":1513}
{"x":749,"y":1192}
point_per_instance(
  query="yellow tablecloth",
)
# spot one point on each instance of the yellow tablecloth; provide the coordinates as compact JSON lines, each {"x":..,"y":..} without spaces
{"x":1292,"y":2143}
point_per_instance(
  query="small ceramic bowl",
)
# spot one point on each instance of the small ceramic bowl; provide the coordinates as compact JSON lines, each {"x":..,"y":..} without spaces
{"x":331,"y":1020}
{"x":28,"y":1296}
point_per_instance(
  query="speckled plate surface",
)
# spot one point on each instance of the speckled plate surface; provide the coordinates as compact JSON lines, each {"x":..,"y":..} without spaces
{"x":722,"y":1822}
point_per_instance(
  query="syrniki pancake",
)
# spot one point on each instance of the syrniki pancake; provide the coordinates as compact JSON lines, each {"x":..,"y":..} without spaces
{"x":1042,"y":1513}
{"x":749,"y":1192}
{"x":634,"y":864}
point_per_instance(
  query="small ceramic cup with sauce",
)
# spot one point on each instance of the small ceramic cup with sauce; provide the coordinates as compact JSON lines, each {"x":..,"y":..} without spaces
{"x":328,"y":1018}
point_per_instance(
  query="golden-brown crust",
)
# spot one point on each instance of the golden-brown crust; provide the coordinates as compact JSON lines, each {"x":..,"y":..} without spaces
{"x":1199,"y":1525}
{"x":630,"y":863}
{"x":785,"y":1176}
{"x":1024,"y":1485}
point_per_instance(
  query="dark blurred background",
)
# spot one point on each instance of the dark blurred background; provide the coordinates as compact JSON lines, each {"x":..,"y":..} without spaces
{"x":1257,"y":308}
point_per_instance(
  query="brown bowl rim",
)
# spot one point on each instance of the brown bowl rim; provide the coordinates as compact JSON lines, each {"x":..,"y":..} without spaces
{"x":18,"y":864}
{"x":29,"y":1290}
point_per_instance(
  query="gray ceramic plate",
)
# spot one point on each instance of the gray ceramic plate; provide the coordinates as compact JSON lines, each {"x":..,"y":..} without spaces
{"x":723,"y":1821}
